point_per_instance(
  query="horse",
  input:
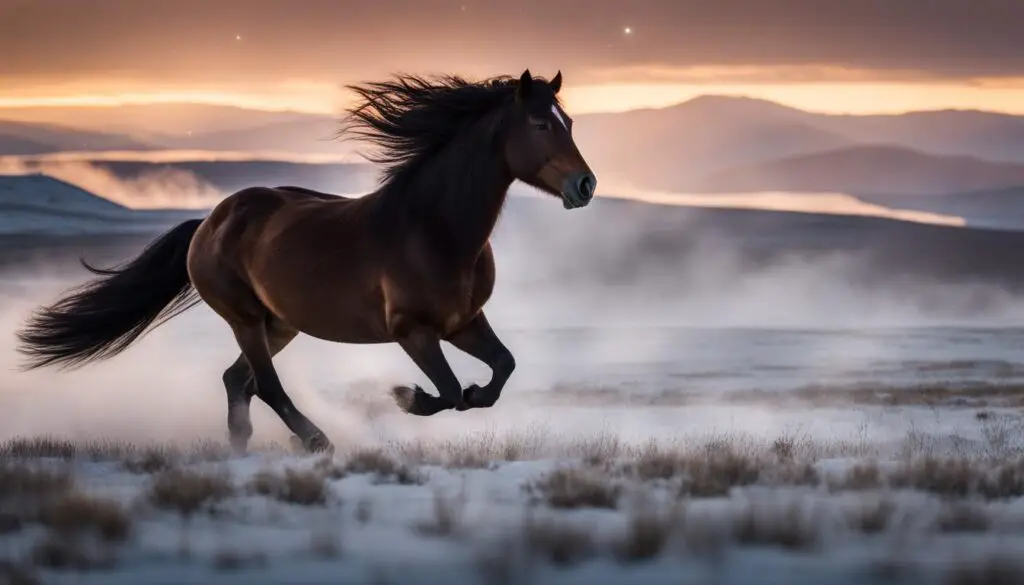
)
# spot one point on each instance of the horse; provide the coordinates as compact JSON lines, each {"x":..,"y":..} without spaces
{"x":409,"y":263}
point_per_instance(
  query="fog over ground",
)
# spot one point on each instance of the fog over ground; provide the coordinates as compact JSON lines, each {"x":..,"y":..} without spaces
{"x":583,"y":298}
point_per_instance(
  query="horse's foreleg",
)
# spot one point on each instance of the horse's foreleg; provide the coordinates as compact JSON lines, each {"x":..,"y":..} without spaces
{"x":255,"y":345}
{"x":478,"y":340}
{"x":424,"y":347}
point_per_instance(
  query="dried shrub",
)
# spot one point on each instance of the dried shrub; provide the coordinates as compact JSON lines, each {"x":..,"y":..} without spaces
{"x":305,"y":488}
{"x":871,"y":517}
{"x":960,"y":517}
{"x":770,"y":523}
{"x":149,"y":461}
{"x":860,"y":477}
{"x":558,"y":542}
{"x":576,"y":487}
{"x":78,"y":515}
{"x":187,"y":492}
{"x":448,"y":512}
{"x":648,"y":533}
{"x":384,"y":467}
{"x":38,"y":448}
{"x":952,"y":478}
{"x":718,"y":472}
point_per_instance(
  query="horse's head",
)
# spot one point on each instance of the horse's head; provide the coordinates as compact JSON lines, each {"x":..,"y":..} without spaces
{"x":539,"y":147}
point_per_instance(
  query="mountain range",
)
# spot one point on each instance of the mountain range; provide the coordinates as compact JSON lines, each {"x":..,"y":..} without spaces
{"x":708,"y":144}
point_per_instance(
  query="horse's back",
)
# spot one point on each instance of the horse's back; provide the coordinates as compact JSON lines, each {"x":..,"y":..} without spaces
{"x":306,"y":255}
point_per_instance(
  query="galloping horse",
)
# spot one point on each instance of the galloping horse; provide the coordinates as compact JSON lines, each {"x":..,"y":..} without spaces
{"x":410,"y":263}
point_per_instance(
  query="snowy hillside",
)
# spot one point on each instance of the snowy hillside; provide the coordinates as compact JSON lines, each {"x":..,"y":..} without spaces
{"x":43,"y":205}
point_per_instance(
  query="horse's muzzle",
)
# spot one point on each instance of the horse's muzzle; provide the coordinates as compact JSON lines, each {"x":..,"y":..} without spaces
{"x":578,"y":189}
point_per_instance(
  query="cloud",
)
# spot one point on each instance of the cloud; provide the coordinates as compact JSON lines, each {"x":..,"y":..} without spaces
{"x":229,"y":41}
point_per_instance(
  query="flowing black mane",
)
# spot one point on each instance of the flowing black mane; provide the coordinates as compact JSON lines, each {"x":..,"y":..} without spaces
{"x":411,"y":118}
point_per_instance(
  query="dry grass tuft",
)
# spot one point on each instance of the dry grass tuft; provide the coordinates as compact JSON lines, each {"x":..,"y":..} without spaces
{"x":781,"y":524}
{"x":871,"y":516}
{"x":20,"y":482}
{"x":576,"y":487}
{"x":558,"y":542}
{"x":648,"y":533}
{"x":960,"y":517}
{"x":38,"y":448}
{"x":305,"y":488}
{"x":77,"y":515}
{"x":720,"y":470}
{"x":955,"y":478}
{"x":56,"y":552}
{"x":188,"y":492}
{"x":150,"y":460}
{"x":447,"y":519}
{"x":861,"y":477}
{"x":384,"y":467}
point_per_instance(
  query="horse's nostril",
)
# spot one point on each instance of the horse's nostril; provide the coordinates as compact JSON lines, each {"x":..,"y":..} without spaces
{"x":585,"y":185}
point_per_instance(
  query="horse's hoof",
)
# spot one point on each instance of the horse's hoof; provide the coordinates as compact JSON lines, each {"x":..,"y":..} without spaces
{"x":317,"y":443}
{"x":240,"y":446}
{"x":417,"y":402}
{"x":405,"y":397}
{"x":475,"y":396}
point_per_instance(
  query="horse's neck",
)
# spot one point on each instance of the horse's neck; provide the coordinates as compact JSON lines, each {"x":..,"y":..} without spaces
{"x":468,"y":204}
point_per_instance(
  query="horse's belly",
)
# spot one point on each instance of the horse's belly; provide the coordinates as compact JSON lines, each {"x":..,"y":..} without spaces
{"x":336,"y":309}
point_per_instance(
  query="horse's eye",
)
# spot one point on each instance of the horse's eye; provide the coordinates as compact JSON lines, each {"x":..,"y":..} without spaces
{"x":541,"y":124}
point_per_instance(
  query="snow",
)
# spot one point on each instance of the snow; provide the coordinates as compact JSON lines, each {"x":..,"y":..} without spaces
{"x":371,"y":529}
{"x":42,"y":205}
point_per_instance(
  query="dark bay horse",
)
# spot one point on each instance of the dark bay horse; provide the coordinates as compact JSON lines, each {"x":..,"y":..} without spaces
{"x":410,"y":263}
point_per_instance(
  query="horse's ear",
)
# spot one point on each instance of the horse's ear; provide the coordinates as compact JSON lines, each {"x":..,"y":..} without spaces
{"x":556,"y":83}
{"x":525,"y":85}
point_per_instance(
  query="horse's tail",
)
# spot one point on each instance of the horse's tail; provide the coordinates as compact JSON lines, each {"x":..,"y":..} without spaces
{"x":103,"y":317}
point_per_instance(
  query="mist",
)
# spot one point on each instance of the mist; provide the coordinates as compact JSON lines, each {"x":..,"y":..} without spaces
{"x":165,"y":188}
{"x":583,"y":301}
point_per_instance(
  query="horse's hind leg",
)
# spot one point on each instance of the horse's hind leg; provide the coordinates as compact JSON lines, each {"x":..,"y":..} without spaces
{"x":254,"y":341}
{"x":479,"y":340}
{"x":241,"y":385}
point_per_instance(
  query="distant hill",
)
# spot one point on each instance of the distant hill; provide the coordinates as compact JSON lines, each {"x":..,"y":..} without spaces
{"x":995,"y":208}
{"x":28,"y":139}
{"x":38,"y":205}
{"x":890,"y":170}
{"x":675,"y":148}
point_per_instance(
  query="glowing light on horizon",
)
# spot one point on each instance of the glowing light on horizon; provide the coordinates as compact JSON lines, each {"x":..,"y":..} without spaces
{"x":611,"y":93}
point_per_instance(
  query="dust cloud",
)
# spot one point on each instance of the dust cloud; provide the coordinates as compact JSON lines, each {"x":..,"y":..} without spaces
{"x":588,"y":272}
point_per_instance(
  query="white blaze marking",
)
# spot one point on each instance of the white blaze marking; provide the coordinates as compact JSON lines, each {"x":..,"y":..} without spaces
{"x":554,"y":110}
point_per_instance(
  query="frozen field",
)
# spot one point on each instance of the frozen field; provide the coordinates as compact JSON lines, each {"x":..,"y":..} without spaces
{"x":790,"y":431}
{"x":699,"y":456}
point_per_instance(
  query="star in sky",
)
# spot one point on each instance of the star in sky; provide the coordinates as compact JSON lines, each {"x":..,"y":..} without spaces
{"x":628,"y":30}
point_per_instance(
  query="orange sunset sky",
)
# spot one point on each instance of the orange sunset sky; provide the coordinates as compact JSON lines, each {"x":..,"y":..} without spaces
{"x":855,"y":56}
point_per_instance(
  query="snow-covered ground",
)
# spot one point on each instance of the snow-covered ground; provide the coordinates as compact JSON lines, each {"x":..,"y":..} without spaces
{"x":943,"y":503}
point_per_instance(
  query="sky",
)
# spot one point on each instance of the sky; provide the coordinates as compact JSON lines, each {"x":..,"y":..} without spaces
{"x":851,"y":56}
